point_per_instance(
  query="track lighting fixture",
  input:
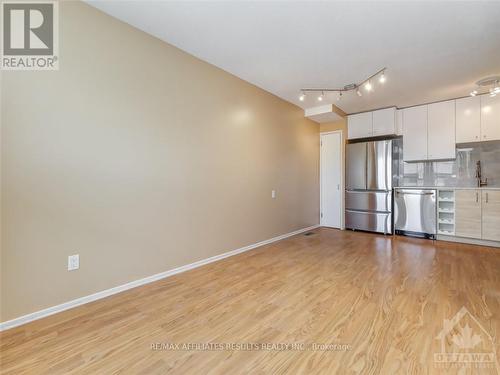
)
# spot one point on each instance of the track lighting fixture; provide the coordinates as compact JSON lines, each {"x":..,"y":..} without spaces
{"x":367,"y":83}
{"x":492,"y":82}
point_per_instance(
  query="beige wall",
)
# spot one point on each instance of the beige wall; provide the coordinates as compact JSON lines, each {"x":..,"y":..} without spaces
{"x":337,"y":125}
{"x":140,"y":158}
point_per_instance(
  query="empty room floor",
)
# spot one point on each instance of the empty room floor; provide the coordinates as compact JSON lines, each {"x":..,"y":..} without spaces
{"x":330,"y":302}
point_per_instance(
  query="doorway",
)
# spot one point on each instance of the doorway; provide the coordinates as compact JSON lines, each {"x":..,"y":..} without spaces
{"x":331,"y":180}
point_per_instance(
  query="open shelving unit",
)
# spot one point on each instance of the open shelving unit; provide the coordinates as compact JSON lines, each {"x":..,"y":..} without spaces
{"x":446,"y":212}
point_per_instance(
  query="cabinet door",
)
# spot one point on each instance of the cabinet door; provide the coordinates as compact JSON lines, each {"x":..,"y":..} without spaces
{"x":490,"y":118}
{"x":384,"y":122}
{"x":468,"y":213}
{"x":468,"y":117}
{"x":441,"y":131}
{"x":491,"y":215}
{"x":415,"y":133}
{"x":399,"y":122}
{"x":360,"y":125}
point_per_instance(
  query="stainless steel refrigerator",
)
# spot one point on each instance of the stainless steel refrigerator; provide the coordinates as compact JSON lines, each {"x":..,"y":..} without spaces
{"x":369,"y":182}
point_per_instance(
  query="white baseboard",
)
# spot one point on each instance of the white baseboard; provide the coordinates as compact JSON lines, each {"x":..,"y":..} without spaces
{"x":470,"y":241}
{"x":133,"y":284}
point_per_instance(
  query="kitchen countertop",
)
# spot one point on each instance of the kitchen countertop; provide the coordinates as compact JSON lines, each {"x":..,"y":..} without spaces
{"x":449,"y":187}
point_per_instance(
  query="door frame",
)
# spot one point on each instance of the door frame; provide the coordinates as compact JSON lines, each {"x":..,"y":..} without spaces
{"x":342,"y":172}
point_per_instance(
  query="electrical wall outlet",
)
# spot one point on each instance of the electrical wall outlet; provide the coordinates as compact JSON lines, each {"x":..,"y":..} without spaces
{"x":273,"y":194}
{"x":73,"y":262}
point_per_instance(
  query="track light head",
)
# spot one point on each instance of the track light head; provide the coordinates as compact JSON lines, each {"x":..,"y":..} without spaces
{"x":302,"y":97}
{"x":368,"y":86}
{"x":358,"y":91}
{"x":382,"y":78}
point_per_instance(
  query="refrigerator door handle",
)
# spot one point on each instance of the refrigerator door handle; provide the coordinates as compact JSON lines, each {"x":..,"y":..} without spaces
{"x":388,"y":162}
{"x":366,"y":165}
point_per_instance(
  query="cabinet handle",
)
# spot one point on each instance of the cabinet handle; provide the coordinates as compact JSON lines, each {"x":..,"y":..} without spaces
{"x":477,"y":197}
{"x":486,"y":197}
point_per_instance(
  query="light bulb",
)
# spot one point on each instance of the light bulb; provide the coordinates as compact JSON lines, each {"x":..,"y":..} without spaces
{"x":302,"y":97}
{"x":473,"y":93}
{"x":368,"y":86}
{"x":382,"y":78}
{"x":320,"y":98}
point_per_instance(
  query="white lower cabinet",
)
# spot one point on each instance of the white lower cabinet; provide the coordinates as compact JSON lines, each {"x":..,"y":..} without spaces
{"x":477,"y":214}
{"x":491,"y":215}
{"x":468,"y":216}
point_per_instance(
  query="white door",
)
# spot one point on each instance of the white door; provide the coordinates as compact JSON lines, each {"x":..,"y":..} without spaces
{"x":331,"y":180}
{"x":441,"y":130}
{"x":384,"y":122}
{"x":360,"y":125}
{"x":490,"y":118}
{"x":468,"y":113}
{"x":415,"y":133}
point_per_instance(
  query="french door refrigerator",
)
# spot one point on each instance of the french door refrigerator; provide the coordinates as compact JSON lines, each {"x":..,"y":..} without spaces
{"x":368,"y":198}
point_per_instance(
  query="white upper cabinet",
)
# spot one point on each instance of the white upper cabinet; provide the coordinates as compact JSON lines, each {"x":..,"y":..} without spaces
{"x":372,"y":124}
{"x":468,"y":119}
{"x":360,"y":125}
{"x":415,"y":133}
{"x":399,"y":122}
{"x":441,"y":130}
{"x":384,"y":122}
{"x":490,"y":118}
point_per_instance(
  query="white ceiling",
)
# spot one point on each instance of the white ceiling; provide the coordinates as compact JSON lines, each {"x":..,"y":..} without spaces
{"x":432,"y":50}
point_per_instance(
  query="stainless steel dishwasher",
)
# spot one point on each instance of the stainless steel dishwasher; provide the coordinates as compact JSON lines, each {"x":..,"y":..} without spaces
{"x":415,"y":212}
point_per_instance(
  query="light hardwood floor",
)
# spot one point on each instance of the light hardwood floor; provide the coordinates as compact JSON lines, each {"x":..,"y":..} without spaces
{"x":384,"y":297}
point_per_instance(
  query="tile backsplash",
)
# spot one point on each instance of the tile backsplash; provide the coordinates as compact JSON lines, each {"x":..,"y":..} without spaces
{"x":460,"y":172}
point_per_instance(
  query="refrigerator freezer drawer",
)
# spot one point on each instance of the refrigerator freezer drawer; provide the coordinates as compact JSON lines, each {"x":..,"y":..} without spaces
{"x":369,"y":221}
{"x":368,"y":200}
